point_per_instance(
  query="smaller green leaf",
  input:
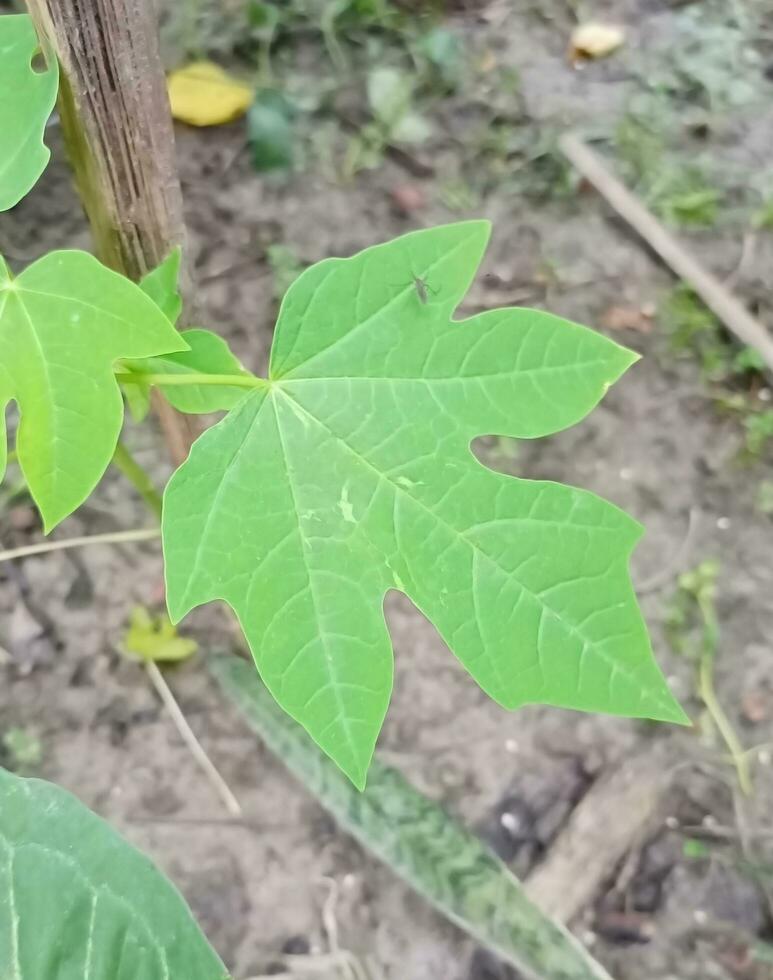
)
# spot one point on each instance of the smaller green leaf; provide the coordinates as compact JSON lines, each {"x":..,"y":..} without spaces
{"x":389,"y":94}
{"x":208,"y":354}
{"x":412,"y":128}
{"x":64,"y":322}
{"x":27,"y":97}
{"x":77,"y":902}
{"x":270,"y":130}
{"x":695,"y":850}
{"x":156,"y":638}
{"x":443,"y":50}
{"x":161,"y":285}
{"x":263,"y":18}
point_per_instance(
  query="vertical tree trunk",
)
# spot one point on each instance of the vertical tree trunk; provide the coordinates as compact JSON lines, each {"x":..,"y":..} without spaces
{"x":118,"y":131}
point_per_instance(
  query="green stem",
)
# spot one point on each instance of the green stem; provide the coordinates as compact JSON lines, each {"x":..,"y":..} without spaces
{"x":709,"y":697}
{"x":138,"y":477}
{"x":192,"y":378}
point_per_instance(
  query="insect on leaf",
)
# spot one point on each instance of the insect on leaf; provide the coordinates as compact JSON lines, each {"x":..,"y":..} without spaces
{"x":27,"y":96}
{"x":350,"y":473}
{"x":77,"y":901}
{"x":64,"y":322}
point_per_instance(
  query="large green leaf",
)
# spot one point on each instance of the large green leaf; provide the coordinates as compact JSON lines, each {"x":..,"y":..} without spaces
{"x":349,"y":473}
{"x":419,"y":841}
{"x":77,"y":902}
{"x":63,"y":323}
{"x":27,"y":96}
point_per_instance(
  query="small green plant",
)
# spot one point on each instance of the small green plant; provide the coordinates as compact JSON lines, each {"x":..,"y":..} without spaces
{"x":391,"y":93}
{"x":22,"y":747}
{"x":285,"y":267}
{"x":344,"y":474}
{"x":695,"y":330}
{"x":682,"y":195}
{"x":693,"y":607}
{"x":759,"y":431}
{"x":765,"y":497}
{"x":347,"y":472}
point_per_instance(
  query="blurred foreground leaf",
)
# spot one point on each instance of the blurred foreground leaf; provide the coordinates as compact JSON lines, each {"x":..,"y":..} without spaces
{"x":77,"y":902}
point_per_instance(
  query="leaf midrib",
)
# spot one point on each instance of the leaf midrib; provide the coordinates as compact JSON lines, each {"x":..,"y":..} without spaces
{"x":331,"y":664}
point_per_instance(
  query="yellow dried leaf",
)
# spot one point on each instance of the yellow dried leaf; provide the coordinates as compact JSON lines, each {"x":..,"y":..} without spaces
{"x":202,"y":94}
{"x":594,"y":40}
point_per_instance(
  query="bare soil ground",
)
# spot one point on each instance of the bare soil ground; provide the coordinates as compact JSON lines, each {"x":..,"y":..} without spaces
{"x":658,"y":446}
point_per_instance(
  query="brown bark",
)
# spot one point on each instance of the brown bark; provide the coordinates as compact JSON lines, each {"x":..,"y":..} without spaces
{"x":118,"y":131}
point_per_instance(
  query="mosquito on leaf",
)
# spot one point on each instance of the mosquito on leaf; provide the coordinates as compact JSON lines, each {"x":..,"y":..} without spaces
{"x":422,"y":287}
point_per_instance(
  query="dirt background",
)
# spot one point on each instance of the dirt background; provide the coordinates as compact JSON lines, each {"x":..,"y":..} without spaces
{"x":667,"y":444}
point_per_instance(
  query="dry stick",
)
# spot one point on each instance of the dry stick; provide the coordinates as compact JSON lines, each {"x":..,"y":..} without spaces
{"x":615,"y":814}
{"x":113,"y":537}
{"x":714,"y":294}
{"x":192,"y":743}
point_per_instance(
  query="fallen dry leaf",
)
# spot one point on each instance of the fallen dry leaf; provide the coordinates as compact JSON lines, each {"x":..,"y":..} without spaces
{"x":594,"y":40}
{"x":627,"y":318}
{"x":202,"y":94}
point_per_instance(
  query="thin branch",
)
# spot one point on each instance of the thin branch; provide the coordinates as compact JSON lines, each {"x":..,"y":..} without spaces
{"x":708,"y":695}
{"x":113,"y":537}
{"x":192,"y":743}
{"x":138,"y":477}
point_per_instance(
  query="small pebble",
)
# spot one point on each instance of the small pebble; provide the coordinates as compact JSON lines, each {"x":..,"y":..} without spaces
{"x":723,"y":523}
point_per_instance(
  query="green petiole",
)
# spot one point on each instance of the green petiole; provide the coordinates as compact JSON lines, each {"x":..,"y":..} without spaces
{"x":192,"y":378}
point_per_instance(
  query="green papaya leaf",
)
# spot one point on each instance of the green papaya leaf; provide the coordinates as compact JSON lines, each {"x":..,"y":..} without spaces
{"x":161,"y":285}
{"x":349,"y":473}
{"x":27,"y":96}
{"x":77,"y":902}
{"x":207,"y":354}
{"x":64,"y":321}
